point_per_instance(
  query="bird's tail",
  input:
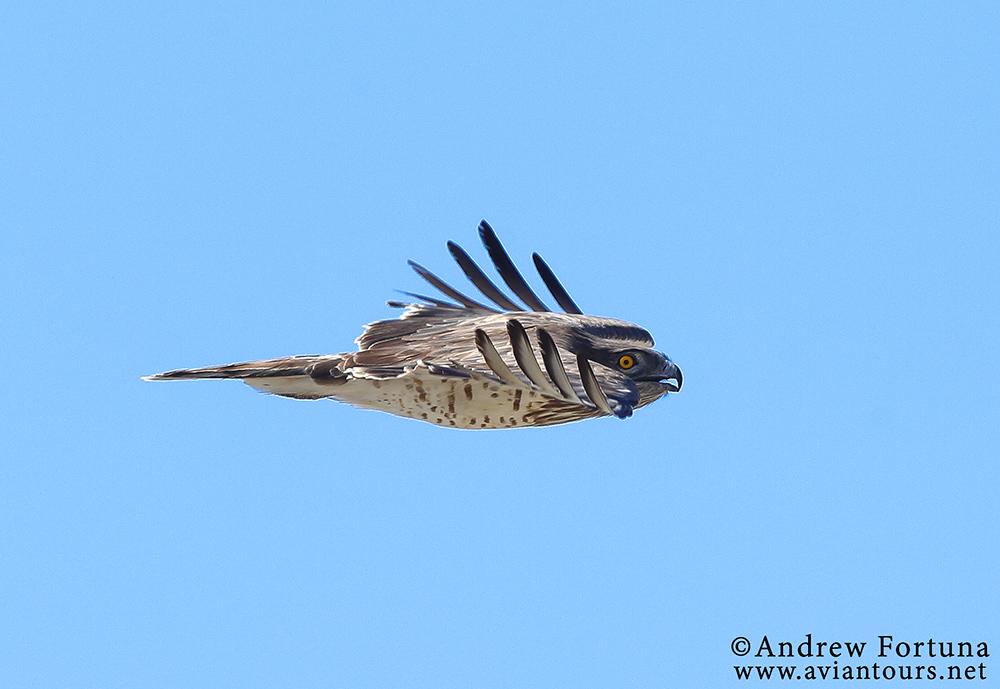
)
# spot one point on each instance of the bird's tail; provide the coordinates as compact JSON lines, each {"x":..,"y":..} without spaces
{"x":303,"y":377}
{"x":265,"y":368}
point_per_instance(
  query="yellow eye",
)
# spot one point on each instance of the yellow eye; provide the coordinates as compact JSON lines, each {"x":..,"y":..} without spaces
{"x":626,"y":361}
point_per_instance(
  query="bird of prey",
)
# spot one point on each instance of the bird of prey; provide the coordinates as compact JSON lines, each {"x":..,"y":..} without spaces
{"x":465,"y":364}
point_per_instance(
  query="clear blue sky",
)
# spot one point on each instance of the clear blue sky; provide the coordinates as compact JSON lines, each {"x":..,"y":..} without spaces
{"x":800,"y":202}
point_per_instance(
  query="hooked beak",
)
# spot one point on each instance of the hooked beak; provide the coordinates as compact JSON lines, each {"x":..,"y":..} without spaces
{"x":673,"y":379}
{"x":670,"y":377}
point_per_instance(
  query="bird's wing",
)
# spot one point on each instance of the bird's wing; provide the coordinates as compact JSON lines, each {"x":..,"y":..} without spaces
{"x":428,"y":312}
{"x":508,"y":272}
{"x":502,"y":348}
{"x":575,"y":386}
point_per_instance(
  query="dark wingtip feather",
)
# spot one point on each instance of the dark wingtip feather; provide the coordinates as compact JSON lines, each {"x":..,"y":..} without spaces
{"x":508,"y":271}
{"x":493,"y":359}
{"x":554,"y":366}
{"x":479,"y":279}
{"x":552,"y":282}
{"x":429,"y":300}
{"x":445,"y":288}
{"x":592,"y":386}
{"x":525,"y":357}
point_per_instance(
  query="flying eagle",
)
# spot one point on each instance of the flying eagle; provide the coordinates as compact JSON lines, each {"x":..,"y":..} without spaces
{"x":465,"y":364}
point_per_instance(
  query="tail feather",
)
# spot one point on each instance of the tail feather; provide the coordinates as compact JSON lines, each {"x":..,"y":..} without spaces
{"x":265,"y":368}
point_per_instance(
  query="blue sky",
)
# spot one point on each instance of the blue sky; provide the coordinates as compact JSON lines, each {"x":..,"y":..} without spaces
{"x":799,"y":201}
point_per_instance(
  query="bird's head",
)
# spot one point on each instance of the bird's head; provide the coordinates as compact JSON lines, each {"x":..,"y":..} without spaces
{"x":628,"y":350}
{"x":642,"y":365}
